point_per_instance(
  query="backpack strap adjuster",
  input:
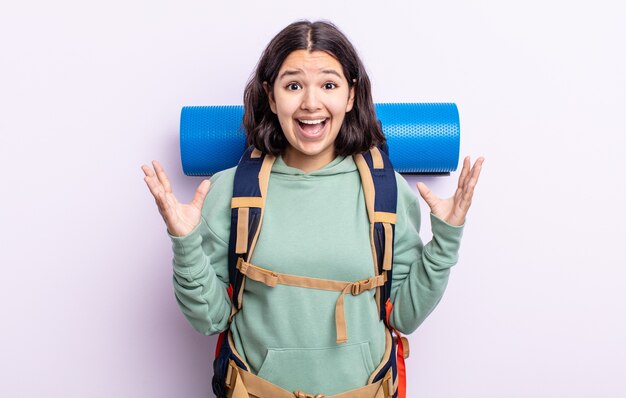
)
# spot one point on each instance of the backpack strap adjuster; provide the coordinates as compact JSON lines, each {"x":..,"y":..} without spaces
{"x":300,"y":394}
{"x":355,"y":290}
{"x":359,"y":287}
{"x":231,"y":374}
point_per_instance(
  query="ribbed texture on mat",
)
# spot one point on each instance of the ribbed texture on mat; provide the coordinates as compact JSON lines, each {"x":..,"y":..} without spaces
{"x":422,"y":137}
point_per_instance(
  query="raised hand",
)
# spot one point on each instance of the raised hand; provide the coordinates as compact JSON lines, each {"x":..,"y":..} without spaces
{"x":180,"y":218}
{"x":454,"y":209}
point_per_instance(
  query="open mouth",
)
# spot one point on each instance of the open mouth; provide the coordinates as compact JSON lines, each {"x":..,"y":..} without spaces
{"x":312,"y":127}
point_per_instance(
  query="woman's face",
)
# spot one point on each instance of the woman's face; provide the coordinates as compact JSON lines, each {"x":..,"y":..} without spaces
{"x":310,"y":97}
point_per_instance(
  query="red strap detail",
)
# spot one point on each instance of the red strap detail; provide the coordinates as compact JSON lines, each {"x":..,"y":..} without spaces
{"x":230,"y":291}
{"x":388,"y":308}
{"x":400,"y":365}
{"x":220,"y":339}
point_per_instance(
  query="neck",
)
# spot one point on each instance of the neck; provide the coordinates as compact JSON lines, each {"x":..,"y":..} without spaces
{"x":307,"y":163}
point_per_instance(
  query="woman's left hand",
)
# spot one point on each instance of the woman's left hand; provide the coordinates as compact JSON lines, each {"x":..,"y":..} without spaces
{"x":454,"y":209}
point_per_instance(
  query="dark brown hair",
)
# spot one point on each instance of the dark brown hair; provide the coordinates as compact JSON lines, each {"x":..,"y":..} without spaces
{"x":360,"y":130}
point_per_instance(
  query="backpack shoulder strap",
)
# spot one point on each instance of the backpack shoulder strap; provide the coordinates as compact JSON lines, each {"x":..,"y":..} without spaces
{"x":249,"y":193}
{"x":380,"y":189}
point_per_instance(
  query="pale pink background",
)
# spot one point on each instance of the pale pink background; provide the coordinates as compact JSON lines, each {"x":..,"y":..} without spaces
{"x":91,"y":90}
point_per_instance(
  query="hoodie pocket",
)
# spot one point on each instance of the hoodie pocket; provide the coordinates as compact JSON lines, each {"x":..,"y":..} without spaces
{"x":327,"y":371}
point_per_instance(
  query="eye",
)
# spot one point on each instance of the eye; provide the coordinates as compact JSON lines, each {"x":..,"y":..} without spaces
{"x":330,"y":86}
{"x":293,"y":86}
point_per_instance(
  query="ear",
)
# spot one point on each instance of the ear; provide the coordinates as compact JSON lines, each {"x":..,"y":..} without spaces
{"x":350,"y":100}
{"x":270,"y":96}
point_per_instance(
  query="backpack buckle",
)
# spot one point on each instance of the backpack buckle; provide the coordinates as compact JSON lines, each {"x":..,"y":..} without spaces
{"x":231,"y":375}
{"x":300,"y":394}
{"x":357,"y":287}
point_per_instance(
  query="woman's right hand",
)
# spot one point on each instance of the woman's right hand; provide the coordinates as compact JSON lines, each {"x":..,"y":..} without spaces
{"x":180,"y":218}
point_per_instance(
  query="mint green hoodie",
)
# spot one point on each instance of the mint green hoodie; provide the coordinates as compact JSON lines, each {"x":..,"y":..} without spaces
{"x":316,"y":225}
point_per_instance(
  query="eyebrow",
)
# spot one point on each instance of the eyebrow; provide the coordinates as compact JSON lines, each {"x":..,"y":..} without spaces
{"x":294,"y":72}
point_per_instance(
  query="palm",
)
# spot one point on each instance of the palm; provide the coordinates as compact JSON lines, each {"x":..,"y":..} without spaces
{"x":180,"y":218}
{"x":454,"y":209}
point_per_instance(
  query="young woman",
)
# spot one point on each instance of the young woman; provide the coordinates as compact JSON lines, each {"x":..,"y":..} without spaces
{"x":309,"y":105}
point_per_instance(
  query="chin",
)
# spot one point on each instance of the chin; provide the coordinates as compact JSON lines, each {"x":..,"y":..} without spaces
{"x":314,"y":149}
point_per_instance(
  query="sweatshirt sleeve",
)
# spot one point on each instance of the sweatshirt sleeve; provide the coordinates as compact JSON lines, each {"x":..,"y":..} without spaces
{"x":420,"y":272}
{"x":201,"y":264}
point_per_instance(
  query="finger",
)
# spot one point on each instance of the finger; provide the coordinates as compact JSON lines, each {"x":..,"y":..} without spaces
{"x":468,"y":174}
{"x":476,"y":170}
{"x":151,"y":180}
{"x":427,"y":194}
{"x":463,"y":177}
{"x":464,"y":171}
{"x":468,"y":191}
{"x":465,"y":200}
{"x":153,"y":184}
{"x":201,"y":192}
{"x":147,"y":170}
{"x":162,"y":176}
{"x":165,"y":207}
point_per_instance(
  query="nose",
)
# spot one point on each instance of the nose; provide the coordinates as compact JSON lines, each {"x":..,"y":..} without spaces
{"x":311,"y":100}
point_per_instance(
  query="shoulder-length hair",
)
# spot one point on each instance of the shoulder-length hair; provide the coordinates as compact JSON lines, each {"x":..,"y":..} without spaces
{"x":360,"y":129}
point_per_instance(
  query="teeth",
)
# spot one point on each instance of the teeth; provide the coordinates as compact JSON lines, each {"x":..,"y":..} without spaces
{"x":311,"y":121}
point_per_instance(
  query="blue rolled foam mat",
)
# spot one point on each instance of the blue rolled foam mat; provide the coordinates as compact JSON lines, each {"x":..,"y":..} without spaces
{"x":422,"y":137}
